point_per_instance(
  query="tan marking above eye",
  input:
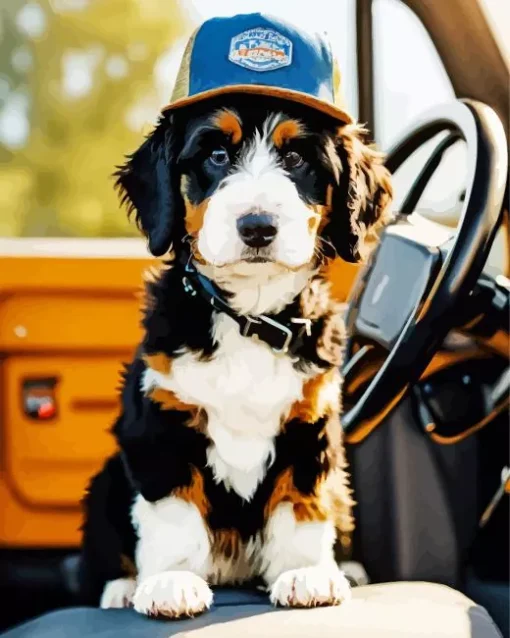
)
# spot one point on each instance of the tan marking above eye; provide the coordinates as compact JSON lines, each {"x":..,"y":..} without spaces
{"x":229,"y":124}
{"x":286,"y":131}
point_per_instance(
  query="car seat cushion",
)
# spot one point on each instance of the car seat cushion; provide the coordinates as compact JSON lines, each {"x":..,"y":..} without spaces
{"x":390,"y":610}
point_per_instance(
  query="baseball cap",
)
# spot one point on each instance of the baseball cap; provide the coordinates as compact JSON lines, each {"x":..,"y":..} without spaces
{"x":259,"y":54}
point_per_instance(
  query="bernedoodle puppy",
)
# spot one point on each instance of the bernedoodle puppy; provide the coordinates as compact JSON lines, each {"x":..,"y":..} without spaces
{"x":230,"y":464}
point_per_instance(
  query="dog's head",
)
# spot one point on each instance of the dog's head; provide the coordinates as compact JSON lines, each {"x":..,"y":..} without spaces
{"x":252,"y":180}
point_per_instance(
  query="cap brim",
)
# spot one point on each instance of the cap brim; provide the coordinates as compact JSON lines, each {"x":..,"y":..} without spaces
{"x":258,"y":89}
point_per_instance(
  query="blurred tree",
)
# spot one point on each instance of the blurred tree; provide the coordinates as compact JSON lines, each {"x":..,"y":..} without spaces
{"x":77,"y":92}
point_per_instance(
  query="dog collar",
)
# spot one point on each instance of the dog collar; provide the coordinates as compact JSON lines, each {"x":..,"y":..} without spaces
{"x":282,"y":336}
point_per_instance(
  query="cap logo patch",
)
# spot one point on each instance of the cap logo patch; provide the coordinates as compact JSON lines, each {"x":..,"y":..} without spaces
{"x":260,"y":49}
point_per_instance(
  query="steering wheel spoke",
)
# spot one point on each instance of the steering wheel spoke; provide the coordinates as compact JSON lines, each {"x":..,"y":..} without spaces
{"x":393,"y":291}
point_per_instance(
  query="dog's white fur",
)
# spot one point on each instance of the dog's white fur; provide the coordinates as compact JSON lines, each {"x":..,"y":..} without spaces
{"x":246,"y":389}
{"x":172,"y":535}
{"x":258,"y":288}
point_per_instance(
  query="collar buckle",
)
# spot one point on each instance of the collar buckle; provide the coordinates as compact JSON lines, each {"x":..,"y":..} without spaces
{"x":278,"y":336}
{"x":287,"y":332}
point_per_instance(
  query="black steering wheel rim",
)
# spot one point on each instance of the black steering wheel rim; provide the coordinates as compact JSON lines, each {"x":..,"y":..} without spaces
{"x":429,"y":323}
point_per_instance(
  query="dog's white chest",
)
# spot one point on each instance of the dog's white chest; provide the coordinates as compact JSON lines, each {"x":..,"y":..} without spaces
{"x":245,"y":389}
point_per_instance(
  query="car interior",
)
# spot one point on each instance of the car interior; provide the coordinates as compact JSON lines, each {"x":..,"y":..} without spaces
{"x":426,"y":389}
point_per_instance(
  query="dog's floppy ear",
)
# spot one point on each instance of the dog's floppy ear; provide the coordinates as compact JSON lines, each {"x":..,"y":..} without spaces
{"x":149,"y":185}
{"x":361,"y":196}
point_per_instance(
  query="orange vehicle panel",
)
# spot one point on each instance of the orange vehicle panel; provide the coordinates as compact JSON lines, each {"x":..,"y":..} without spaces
{"x":49,"y":461}
{"x":72,"y":319}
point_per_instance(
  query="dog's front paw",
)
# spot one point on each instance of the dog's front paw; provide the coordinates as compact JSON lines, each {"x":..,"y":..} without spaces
{"x":173,"y":594}
{"x":310,"y":587}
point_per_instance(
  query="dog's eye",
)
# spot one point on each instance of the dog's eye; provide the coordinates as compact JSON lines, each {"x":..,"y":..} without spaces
{"x":219,"y":157}
{"x":292,"y":160}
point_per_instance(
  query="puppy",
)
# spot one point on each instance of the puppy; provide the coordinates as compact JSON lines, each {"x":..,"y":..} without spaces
{"x":230,"y":465}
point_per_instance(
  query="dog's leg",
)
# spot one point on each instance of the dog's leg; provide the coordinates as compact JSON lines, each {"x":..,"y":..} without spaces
{"x":172,"y":557}
{"x":298,"y":561}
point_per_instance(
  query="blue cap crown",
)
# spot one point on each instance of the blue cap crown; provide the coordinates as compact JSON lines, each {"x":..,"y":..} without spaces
{"x":256,"y":53}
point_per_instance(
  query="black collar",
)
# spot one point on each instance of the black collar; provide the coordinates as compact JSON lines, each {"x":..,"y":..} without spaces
{"x":282,"y":336}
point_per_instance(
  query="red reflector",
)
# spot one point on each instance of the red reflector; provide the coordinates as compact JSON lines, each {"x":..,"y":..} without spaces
{"x":46,"y":410}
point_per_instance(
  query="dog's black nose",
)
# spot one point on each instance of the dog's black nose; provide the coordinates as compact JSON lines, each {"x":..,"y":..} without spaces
{"x":257,"y":230}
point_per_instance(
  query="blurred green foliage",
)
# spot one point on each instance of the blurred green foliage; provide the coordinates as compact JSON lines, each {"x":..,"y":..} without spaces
{"x":77,"y":92}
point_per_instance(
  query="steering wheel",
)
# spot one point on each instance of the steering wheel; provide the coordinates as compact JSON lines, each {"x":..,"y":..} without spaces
{"x":405,"y":300}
